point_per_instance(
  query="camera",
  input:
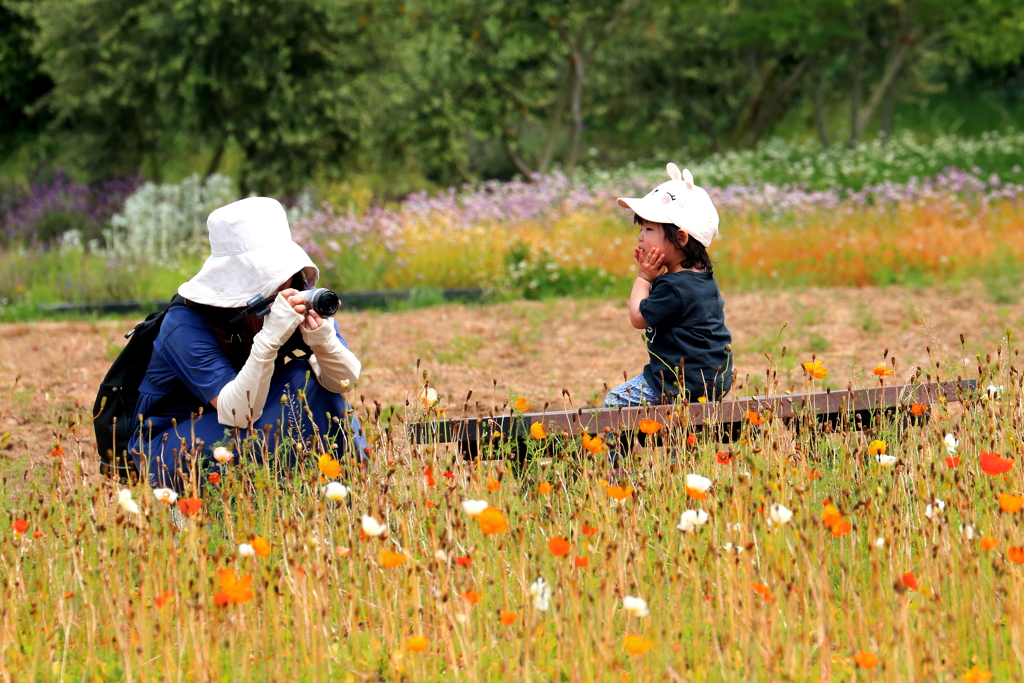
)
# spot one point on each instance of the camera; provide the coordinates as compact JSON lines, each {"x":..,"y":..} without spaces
{"x":325,"y":302}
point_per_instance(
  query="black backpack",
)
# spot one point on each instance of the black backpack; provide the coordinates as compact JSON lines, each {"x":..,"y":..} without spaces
{"x":114,"y":411}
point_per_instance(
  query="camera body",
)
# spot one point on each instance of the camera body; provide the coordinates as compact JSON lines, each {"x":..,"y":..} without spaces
{"x":325,"y":302}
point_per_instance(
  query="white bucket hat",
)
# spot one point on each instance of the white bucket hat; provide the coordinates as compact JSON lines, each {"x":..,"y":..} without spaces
{"x":251,"y":252}
{"x":680,"y":202}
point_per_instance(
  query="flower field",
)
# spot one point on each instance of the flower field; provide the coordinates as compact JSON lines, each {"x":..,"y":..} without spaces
{"x":894,"y":553}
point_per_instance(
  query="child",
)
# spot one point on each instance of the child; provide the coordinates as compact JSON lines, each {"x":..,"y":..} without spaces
{"x":676,"y":299}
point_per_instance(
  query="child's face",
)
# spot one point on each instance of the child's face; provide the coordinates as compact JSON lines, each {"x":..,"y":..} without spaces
{"x":652,"y":235}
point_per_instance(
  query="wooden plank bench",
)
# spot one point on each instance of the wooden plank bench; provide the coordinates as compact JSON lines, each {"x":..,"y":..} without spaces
{"x":850,"y":408}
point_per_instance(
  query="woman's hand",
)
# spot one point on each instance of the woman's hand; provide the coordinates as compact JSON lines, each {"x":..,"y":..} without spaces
{"x":649,"y":263}
{"x":294,"y":297}
{"x":313,"y":321}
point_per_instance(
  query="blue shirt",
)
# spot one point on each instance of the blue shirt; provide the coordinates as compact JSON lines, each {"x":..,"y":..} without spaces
{"x":186,"y":354}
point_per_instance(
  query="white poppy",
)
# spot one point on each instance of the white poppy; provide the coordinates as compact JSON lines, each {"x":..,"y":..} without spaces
{"x":124,"y":499}
{"x":885,"y":460}
{"x":371,"y":527}
{"x":165,"y":495}
{"x":968,"y":531}
{"x":246,"y":550}
{"x":729,"y":547}
{"x":541,"y":592}
{"x":221,"y":454}
{"x":635,"y":606}
{"x":779,"y":514}
{"x":993,"y":391}
{"x":335,"y":491}
{"x":474,"y":507}
{"x":951,"y":444}
{"x":880,"y":542}
{"x":440,"y":556}
{"x":428,"y":396}
{"x":691,"y":519}
{"x":934,"y":510}
{"x":697,"y":486}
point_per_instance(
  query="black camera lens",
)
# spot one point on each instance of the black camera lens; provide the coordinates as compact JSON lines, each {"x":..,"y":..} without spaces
{"x":323,"y":301}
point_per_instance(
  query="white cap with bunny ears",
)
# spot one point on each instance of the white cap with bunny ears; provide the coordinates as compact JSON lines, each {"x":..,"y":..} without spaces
{"x":680,"y":202}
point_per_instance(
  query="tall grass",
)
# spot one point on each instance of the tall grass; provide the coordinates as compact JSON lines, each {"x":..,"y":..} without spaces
{"x":93,"y":591}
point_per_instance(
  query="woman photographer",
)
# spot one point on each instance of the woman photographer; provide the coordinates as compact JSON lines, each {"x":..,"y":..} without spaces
{"x":221,"y":374}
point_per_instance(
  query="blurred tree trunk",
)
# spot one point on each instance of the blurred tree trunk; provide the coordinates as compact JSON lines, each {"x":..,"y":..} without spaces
{"x":857,"y":49}
{"x":819,"y":108}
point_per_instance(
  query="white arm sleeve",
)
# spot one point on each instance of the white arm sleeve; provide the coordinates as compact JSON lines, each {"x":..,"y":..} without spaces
{"x":335,"y":366}
{"x":242,"y":399}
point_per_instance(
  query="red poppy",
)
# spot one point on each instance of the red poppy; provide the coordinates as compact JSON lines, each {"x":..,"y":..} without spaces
{"x":723,"y":457}
{"x":430,"y":504}
{"x":992,"y":463}
{"x":162,"y":599}
{"x":189,"y":506}
{"x":919,"y":408}
{"x":448,"y":475}
{"x":764,"y":591}
{"x":558,"y":546}
{"x":589,"y":530}
{"x":814,"y":474}
{"x":214,"y":478}
{"x":952,"y":461}
{"x":58,"y":451}
{"x":20,"y":526}
{"x":463,"y":561}
{"x":37,"y":534}
{"x":429,"y":474}
{"x":581,"y":561}
{"x":691,"y":439}
{"x":909,"y":580}
{"x":472,"y":597}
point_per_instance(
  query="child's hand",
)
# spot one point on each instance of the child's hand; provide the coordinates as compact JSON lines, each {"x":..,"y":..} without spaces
{"x":650,"y":263}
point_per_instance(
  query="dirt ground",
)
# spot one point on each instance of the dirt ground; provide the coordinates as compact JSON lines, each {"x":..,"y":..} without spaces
{"x":536,"y":349}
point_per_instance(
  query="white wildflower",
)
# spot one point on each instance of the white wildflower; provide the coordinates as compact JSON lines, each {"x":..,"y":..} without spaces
{"x":474,"y":507}
{"x":221,"y":454}
{"x":541,"y":592}
{"x":371,"y":527}
{"x":967,"y":531}
{"x":951,"y":444}
{"x":880,"y":542}
{"x":246,"y":550}
{"x":933,"y":510}
{"x":635,"y":606}
{"x":335,"y":491}
{"x":885,"y":460}
{"x":691,"y":519}
{"x":779,"y":514}
{"x":165,"y":495}
{"x":127,"y":503}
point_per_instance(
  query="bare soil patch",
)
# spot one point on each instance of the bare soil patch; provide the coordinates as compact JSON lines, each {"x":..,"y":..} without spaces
{"x":537,"y":349}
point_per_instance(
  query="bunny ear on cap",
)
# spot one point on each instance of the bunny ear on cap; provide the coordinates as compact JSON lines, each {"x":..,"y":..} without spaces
{"x":673,"y":172}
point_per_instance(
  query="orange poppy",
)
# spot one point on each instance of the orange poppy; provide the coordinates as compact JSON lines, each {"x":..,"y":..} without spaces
{"x":1010,"y":503}
{"x":581,"y":561}
{"x":234,"y":589}
{"x":691,"y":439}
{"x":506,"y":617}
{"x":649,"y":426}
{"x":493,"y":484}
{"x":329,"y":467}
{"x":814,"y":474}
{"x":881,"y":371}
{"x":723,"y":458}
{"x":522,"y":405}
{"x":58,"y":451}
{"x":977,"y":675}
{"x":755,"y":418}
{"x":20,"y":526}
{"x":544,"y":488}
{"x":764,"y":591}
{"x":989,"y":543}
{"x":589,"y":530}
{"x":841,"y":528}
{"x":952,"y":461}
{"x":430,"y":504}
{"x":162,"y":599}
{"x":391,"y":560}
{"x":214,"y":478}
{"x":261,"y":546}
{"x":492,"y":521}
{"x":815,"y":369}
{"x":558,"y":546}
{"x":537,"y":430}
{"x":463,"y":561}
{"x":189,"y":506}
{"x":635,"y":645}
{"x":619,"y":492}
{"x":909,"y":580}
{"x":429,"y":474}
{"x":865,"y":660}
{"x":1015,"y":555}
{"x":594,"y":444}
{"x":919,"y":408}
{"x":417,"y":643}
{"x":992,"y":463}
{"x":472,"y":597}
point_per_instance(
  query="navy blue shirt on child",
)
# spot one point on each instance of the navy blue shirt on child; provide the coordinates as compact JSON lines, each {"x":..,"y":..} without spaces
{"x":686,"y":328}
